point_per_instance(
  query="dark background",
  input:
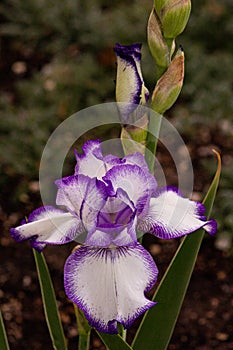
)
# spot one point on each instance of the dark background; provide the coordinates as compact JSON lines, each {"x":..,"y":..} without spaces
{"x":57,"y":58}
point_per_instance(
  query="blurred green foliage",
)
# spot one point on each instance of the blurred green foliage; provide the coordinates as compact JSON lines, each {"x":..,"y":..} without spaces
{"x":57,"y":58}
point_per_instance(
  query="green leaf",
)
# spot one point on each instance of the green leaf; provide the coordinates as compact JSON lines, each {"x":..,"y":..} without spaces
{"x":84,"y":330}
{"x":3,"y":338}
{"x":49,"y":302}
{"x":114,"y":342}
{"x":158,"y":323}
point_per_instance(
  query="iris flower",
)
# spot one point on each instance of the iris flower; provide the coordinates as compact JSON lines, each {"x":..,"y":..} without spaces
{"x":108,"y":201}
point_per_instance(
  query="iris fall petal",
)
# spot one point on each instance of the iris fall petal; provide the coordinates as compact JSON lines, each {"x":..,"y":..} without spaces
{"x":108,"y":284}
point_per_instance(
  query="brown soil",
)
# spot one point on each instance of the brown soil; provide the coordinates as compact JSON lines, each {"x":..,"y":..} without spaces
{"x":205,"y":322}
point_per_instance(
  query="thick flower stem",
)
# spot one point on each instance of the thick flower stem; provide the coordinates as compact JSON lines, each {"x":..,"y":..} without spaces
{"x":83,"y":328}
{"x":159,"y":71}
{"x":152,"y":139}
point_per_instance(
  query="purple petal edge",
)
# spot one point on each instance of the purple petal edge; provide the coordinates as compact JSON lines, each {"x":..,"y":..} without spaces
{"x":126,"y":51}
{"x":111,"y":327}
{"x":200,"y":207}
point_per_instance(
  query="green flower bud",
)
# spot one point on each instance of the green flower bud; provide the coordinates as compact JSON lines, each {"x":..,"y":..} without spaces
{"x":169,"y":85}
{"x":158,"y":4}
{"x":156,"y":41}
{"x":174,"y":16}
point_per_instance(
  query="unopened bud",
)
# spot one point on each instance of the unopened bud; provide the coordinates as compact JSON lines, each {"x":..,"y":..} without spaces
{"x":156,"y":41}
{"x":130,"y":87}
{"x":169,"y":85}
{"x":174,"y":16}
{"x":158,"y":4}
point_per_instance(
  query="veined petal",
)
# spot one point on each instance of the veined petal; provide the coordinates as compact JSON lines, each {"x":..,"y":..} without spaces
{"x":92,"y":162}
{"x":171,"y":216}
{"x":133,"y":181}
{"x":48,"y":225}
{"x":108,"y":284}
{"x":83,"y":197}
{"x":71,"y":192}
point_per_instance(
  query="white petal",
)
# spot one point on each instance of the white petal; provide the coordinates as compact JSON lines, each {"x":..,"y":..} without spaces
{"x":92,"y":162}
{"x":172,"y":216}
{"x":71,"y":192}
{"x":132,"y":180}
{"x":83,"y":197}
{"x":108,"y":284}
{"x":51,"y":226}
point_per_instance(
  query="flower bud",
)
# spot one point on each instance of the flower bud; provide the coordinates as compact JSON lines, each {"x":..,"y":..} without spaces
{"x":156,"y":41}
{"x":174,"y":16}
{"x":158,"y":4}
{"x":130,"y":86}
{"x":169,"y":85}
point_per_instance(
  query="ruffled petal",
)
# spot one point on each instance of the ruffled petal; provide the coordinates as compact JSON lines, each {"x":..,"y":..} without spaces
{"x":170,"y":216}
{"x":48,"y":225}
{"x":92,"y":162}
{"x":83,"y":197}
{"x":108,"y":284}
{"x":131,"y":183}
{"x":136,"y":159}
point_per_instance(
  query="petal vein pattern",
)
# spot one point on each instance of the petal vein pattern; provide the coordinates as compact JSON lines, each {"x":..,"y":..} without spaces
{"x":83,"y":197}
{"x":170,"y":216}
{"x":48,"y":225}
{"x":108,"y":284}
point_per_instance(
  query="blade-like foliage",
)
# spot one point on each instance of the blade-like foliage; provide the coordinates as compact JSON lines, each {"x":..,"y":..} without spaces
{"x":3,"y":338}
{"x":49,"y":302}
{"x":114,"y":342}
{"x":158,"y":323}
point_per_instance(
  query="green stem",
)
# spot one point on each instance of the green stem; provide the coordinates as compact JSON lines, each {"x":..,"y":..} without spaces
{"x":154,"y":126}
{"x":84,"y":330}
{"x":159,"y":71}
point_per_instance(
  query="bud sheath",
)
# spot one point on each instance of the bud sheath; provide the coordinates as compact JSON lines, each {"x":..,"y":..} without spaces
{"x":169,"y":85}
{"x":156,"y":41}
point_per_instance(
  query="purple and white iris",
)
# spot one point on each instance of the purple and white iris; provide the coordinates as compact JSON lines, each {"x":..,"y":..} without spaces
{"x":108,"y":200}
{"x":130,"y":87}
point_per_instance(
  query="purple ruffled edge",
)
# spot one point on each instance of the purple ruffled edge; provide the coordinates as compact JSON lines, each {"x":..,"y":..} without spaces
{"x":112,"y":324}
{"x":200,"y":211}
